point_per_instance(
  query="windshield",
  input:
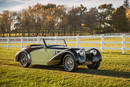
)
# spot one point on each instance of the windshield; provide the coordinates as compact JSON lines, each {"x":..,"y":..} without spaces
{"x":55,"y":42}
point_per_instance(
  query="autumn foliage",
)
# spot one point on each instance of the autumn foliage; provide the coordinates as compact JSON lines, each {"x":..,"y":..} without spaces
{"x":51,"y":20}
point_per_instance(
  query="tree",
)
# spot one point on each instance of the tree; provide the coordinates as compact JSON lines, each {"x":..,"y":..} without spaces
{"x":5,"y":22}
{"x":104,"y":17}
{"x":26,"y":22}
{"x":73,"y":19}
{"x":126,"y":3}
{"x":90,"y":19}
{"x":43,"y":18}
{"x":119,"y":20}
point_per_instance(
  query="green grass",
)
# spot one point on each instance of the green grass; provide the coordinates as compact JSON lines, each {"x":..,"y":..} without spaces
{"x":114,"y":71}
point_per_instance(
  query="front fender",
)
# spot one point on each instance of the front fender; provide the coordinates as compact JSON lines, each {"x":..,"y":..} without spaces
{"x":97,"y":57}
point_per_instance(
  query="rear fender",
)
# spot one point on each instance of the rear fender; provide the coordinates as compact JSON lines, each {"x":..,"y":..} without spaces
{"x":58,"y":58}
{"x":17,"y":56}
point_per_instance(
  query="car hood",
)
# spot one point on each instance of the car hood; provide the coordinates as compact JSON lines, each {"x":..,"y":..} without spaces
{"x":63,"y":48}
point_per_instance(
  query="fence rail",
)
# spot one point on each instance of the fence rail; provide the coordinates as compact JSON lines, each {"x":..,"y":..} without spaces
{"x":77,"y":40}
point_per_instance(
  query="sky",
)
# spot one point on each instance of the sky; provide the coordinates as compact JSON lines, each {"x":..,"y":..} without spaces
{"x":17,"y":5}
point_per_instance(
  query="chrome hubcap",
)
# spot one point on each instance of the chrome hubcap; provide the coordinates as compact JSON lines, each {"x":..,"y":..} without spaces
{"x":23,"y":59}
{"x":69,"y":63}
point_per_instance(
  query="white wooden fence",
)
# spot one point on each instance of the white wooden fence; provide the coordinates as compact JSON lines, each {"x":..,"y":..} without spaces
{"x":7,"y":41}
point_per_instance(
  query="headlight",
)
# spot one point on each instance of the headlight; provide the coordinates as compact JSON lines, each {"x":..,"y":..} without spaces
{"x":94,"y":52}
{"x":81,"y":52}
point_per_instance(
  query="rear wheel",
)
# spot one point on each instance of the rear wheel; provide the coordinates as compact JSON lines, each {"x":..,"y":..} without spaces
{"x":24,"y":60}
{"x":69,"y":63}
{"x":95,"y":65}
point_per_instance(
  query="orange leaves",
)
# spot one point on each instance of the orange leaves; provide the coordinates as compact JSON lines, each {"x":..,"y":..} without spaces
{"x":49,"y":18}
{"x":128,"y":14}
{"x":83,"y":25}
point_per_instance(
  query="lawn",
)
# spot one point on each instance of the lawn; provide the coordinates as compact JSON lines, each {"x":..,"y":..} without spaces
{"x":113,"y":72}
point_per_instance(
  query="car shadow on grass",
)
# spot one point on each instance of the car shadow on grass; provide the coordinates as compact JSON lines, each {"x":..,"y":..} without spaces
{"x":57,"y":68}
{"x":111,"y":73}
{"x":101,"y":72}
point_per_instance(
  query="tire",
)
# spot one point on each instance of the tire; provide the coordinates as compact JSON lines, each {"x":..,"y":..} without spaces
{"x":24,"y":60}
{"x":95,"y":65}
{"x":69,"y":63}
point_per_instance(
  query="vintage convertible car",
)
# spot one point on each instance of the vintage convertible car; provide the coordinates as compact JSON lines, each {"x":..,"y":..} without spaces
{"x":55,"y":52}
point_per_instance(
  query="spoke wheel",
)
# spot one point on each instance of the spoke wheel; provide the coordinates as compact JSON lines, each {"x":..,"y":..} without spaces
{"x":69,"y":63}
{"x":24,"y":61}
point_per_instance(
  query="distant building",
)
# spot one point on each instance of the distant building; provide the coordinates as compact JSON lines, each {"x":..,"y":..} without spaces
{"x":15,"y":24}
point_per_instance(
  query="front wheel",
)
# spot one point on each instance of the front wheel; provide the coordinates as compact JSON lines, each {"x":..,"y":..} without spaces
{"x":24,"y":60}
{"x":69,"y":63}
{"x":94,"y":65}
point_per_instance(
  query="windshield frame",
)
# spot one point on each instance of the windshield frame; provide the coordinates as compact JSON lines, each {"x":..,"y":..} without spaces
{"x":47,"y":46}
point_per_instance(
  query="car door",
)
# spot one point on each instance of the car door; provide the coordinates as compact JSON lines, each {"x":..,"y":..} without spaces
{"x":42,"y":56}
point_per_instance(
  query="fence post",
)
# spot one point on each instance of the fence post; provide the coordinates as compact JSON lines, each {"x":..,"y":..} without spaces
{"x":21,"y":42}
{"x":123,"y":44}
{"x":56,"y":40}
{"x":102,"y":43}
{"x":8,"y":42}
{"x":77,"y":39}
{"x":38,"y":39}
